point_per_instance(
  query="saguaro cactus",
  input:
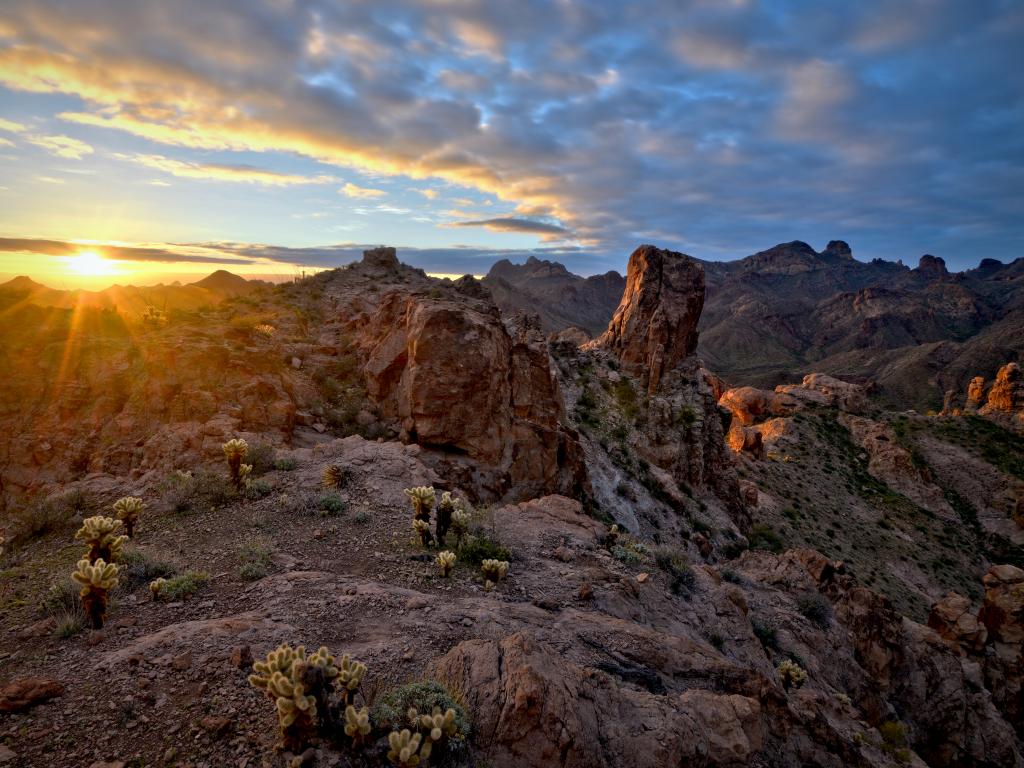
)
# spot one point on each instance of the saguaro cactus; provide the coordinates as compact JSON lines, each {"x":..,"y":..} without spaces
{"x":97,"y":579}
{"x":128,"y":510}
{"x":234,"y":451}
{"x":101,"y":535}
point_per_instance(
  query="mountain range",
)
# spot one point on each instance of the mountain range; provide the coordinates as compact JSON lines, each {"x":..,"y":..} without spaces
{"x":915,"y":332}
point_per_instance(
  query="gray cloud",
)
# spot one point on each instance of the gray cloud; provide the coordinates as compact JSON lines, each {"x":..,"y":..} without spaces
{"x":114,"y":252}
{"x":511,"y":224}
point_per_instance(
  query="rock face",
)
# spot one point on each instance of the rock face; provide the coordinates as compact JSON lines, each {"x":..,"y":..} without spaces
{"x":953,"y":618}
{"x":655,"y":326}
{"x":1002,"y":613}
{"x":827,"y":390}
{"x":1002,"y":401}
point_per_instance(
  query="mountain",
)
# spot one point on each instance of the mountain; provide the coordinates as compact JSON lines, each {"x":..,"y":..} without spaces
{"x":789,"y":310}
{"x":130,"y":299}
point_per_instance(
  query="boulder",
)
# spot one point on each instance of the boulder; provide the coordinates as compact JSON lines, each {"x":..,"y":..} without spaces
{"x":955,"y":621}
{"x":24,"y":693}
{"x":655,"y":325}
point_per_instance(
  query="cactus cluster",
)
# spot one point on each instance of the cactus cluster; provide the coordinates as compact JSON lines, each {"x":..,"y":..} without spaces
{"x":792,"y":674}
{"x":422,"y":529}
{"x":494,"y":570}
{"x":460,"y":523}
{"x":452,"y":515}
{"x":446,"y":561}
{"x":422,"y":498}
{"x":235,"y":451}
{"x":128,"y":510}
{"x":613,"y":536}
{"x":103,"y":537}
{"x":97,"y":579}
{"x":405,"y":748}
{"x":357,"y":724}
{"x":155,"y":587}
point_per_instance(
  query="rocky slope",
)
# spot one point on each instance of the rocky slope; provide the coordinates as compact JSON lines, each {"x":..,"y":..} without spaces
{"x":792,"y":310}
{"x":678,"y":638}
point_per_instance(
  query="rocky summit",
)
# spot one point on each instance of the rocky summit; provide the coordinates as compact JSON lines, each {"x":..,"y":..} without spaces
{"x":373,"y":518}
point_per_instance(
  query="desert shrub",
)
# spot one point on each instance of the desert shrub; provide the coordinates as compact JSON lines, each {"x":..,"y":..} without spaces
{"x":728,"y":574}
{"x":331,"y":505}
{"x":686,"y":417}
{"x":258,"y":489}
{"x":629,"y":552}
{"x":62,"y":597}
{"x":763,"y":537}
{"x":625,"y":396}
{"x":203,"y":492}
{"x":894,"y":740}
{"x":361,"y":517}
{"x":262,"y":457}
{"x":482,"y":547}
{"x":138,"y":568}
{"x":286,"y":464}
{"x":255,"y":557}
{"x":69,"y":624}
{"x":390,"y":711}
{"x":680,"y":576}
{"x":766,"y":634}
{"x":185,"y":585}
{"x":816,"y":609}
{"x":50,"y":515}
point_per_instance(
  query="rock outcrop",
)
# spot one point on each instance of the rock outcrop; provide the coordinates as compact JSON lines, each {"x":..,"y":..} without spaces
{"x":655,"y":326}
{"x":827,"y":390}
{"x":1002,"y":401}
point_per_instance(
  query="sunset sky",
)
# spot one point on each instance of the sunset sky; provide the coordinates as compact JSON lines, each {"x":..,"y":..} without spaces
{"x":167,"y":139}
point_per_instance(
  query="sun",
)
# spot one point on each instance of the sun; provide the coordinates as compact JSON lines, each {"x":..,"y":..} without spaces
{"x":90,"y":263}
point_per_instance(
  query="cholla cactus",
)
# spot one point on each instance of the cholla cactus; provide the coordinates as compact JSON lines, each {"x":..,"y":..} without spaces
{"x":460,"y":525}
{"x":97,"y":579}
{"x":792,"y":674}
{"x":422,"y":498}
{"x":101,"y":535}
{"x":445,"y":561}
{"x":244,"y":475}
{"x":494,"y":570}
{"x":264,"y":329}
{"x":613,"y":535}
{"x":350,"y":675}
{"x":406,"y":748}
{"x":437,"y":726}
{"x":422,"y":528}
{"x":333,"y":476}
{"x":357,"y":724}
{"x":445,"y":510}
{"x":128,"y":510}
{"x":234,"y":451}
{"x":300,"y":687}
{"x":155,"y":586}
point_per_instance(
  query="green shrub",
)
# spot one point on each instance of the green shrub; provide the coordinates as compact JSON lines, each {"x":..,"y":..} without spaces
{"x":482,"y":547}
{"x":51,"y":515}
{"x":255,"y":557}
{"x":138,"y":568}
{"x":389,"y":712}
{"x":185,"y":585}
{"x":203,"y":492}
{"x":763,"y":537}
{"x":361,"y":517}
{"x":331,"y":505}
{"x":258,"y":489}
{"x":262,"y":457}
{"x":816,"y":609}
{"x":69,"y":624}
{"x":674,"y":563}
{"x":62,"y":598}
{"x":767,"y":635}
{"x":286,"y":464}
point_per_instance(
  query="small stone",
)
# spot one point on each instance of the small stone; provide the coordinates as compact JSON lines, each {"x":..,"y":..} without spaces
{"x":182,"y":662}
{"x":95,"y":637}
{"x":416,"y":601}
{"x":642,"y":578}
{"x":296,"y":363}
{"x":215,"y":724}
{"x":564,"y":554}
{"x":125,"y":621}
{"x":467,"y":622}
{"x":586,"y":591}
{"x":22,"y":694}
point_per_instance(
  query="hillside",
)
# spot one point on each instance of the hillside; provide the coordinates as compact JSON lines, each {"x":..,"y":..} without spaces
{"x":656,"y":529}
{"x":792,"y":310}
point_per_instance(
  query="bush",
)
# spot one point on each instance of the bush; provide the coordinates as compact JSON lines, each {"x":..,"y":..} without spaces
{"x":69,"y":624}
{"x":51,"y":515}
{"x":361,"y":517}
{"x":482,"y":547}
{"x":185,"y":585}
{"x":767,"y":635}
{"x":286,"y":464}
{"x":390,"y":710}
{"x":138,"y":568}
{"x":204,"y":492}
{"x":262,"y":457}
{"x":256,"y":561}
{"x":816,"y":609}
{"x":331,"y":505}
{"x":675,"y":564}
{"x":258,"y":489}
{"x":763,"y":537}
{"x":61,"y":598}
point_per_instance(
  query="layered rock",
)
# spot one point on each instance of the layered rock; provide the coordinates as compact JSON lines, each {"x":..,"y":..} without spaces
{"x":655,"y":326}
{"x":1002,"y":401}
{"x":823,"y":389}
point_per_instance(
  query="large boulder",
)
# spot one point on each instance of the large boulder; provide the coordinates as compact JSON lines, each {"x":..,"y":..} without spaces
{"x":655,"y":326}
{"x":1002,"y":613}
{"x":955,"y":620}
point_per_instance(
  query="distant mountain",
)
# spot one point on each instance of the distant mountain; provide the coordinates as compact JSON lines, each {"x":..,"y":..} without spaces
{"x":130,"y":299}
{"x":791,"y":310}
{"x":561,"y":298}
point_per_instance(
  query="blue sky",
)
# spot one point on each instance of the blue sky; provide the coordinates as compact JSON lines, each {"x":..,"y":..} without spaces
{"x":464,"y":131}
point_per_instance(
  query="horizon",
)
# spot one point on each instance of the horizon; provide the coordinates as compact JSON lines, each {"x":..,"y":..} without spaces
{"x":475,"y":131}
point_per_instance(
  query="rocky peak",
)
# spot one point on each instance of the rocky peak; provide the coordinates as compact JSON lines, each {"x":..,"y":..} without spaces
{"x":655,"y":326}
{"x":932,"y":266}
{"x":1003,"y":401}
{"x":837,"y":249}
{"x":382,"y":257}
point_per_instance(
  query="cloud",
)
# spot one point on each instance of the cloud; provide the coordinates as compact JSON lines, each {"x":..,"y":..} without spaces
{"x":722,"y":129}
{"x":62,"y":146}
{"x":515,"y":225}
{"x":352,"y":190}
{"x":11,"y":127}
{"x":247,"y":174}
{"x":6,"y":142}
{"x":116,"y":252}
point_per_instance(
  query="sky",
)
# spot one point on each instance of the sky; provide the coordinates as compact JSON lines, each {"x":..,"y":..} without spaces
{"x":164,"y":139}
